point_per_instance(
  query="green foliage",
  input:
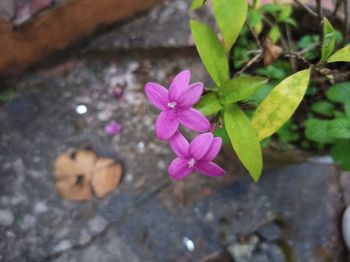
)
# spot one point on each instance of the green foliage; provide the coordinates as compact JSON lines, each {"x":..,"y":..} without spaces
{"x":240,"y":88}
{"x":339,"y":92}
{"x":197,"y":4}
{"x":211,"y":52}
{"x":209,"y":104}
{"x":340,"y":153}
{"x":230,"y":16}
{"x":308,"y":41}
{"x":317,"y":130}
{"x":278,"y":99}
{"x":342,"y":55}
{"x":328,"y":41}
{"x":323,"y":108}
{"x":339,"y":128}
{"x":244,"y":140}
{"x":280,"y":104}
{"x":286,"y":134}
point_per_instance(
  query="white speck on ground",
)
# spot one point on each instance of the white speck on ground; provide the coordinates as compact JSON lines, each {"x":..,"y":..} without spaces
{"x":40,"y":208}
{"x":61,"y":246}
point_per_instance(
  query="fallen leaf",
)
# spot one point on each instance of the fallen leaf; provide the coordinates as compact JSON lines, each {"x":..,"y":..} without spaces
{"x":106,"y":176}
{"x":271,"y":52}
{"x":80,"y":174}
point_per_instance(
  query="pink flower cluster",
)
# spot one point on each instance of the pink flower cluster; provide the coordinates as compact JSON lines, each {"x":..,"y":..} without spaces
{"x":176,"y":105}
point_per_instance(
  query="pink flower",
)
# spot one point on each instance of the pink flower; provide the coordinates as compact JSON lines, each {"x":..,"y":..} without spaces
{"x":113,"y":128}
{"x":176,"y":105}
{"x":196,"y":156}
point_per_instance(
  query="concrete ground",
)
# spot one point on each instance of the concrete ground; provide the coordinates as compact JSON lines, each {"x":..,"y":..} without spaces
{"x":292,"y":214}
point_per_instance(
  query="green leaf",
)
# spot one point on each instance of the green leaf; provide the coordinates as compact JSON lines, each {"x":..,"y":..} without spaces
{"x":342,"y":55}
{"x":280,"y":104}
{"x":317,"y":130}
{"x":347,"y":108}
{"x":244,"y":139}
{"x":197,"y":4}
{"x":240,"y":88}
{"x":339,"y":128}
{"x":323,"y":108}
{"x":274,"y":34}
{"x":287,"y":133}
{"x":221,"y":132}
{"x":230,"y":16}
{"x":340,"y":152}
{"x":285,"y":13}
{"x":211,"y":52}
{"x":339,"y":92}
{"x":328,"y":40}
{"x":209,"y":104}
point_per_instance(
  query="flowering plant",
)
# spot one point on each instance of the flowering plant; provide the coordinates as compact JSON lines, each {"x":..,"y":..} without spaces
{"x":225,"y":102}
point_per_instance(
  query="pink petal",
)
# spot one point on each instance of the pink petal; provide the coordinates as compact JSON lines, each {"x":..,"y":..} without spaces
{"x":179,"y":145}
{"x":209,"y":169}
{"x":213,"y":150}
{"x":179,"y":85}
{"x":166,"y":125}
{"x":113,"y":128}
{"x":157,"y":95}
{"x":200,"y":145}
{"x":179,"y":169}
{"x":193,"y":119}
{"x":191,"y":96}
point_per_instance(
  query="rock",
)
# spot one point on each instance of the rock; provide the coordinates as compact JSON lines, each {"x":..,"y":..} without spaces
{"x":6,"y":217}
{"x":346,"y":226}
{"x":242,"y":252}
{"x":269,"y":231}
{"x":62,"y":246}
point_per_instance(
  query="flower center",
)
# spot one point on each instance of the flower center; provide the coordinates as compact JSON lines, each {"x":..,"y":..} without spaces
{"x":191,"y":163}
{"x":172,"y":105}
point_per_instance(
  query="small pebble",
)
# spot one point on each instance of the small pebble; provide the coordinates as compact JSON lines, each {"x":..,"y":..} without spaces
{"x":6,"y":217}
{"x":81,"y":109}
{"x":188,"y":244}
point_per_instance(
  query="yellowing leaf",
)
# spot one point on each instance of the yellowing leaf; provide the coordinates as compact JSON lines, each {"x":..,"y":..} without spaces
{"x":230,"y":16}
{"x":211,"y":52}
{"x":244,"y":139}
{"x":280,"y":104}
{"x":342,"y":55}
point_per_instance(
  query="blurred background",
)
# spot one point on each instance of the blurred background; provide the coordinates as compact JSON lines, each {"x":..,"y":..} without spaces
{"x":72,"y":74}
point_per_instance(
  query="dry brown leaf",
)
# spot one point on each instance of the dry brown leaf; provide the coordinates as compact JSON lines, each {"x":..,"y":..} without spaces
{"x":271,"y":52}
{"x":106,"y":176}
{"x":81,"y":173}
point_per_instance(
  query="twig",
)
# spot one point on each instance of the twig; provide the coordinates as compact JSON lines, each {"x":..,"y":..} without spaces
{"x":319,"y":9}
{"x":255,"y":36}
{"x":291,"y":47}
{"x":346,"y":19}
{"x":256,"y":58}
{"x":336,"y":8}
{"x":308,"y":9}
{"x":292,"y":54}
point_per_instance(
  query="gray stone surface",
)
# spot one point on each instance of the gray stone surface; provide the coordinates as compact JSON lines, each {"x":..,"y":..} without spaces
{"x":165,"y":26}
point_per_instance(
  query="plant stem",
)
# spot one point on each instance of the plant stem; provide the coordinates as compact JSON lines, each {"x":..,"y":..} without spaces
{"x":308,"y":9}
{"x":336,"y":8}
{"x":319,"y":9}
{"x":346,"y":19}
{"x":256,"y":58}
